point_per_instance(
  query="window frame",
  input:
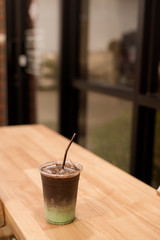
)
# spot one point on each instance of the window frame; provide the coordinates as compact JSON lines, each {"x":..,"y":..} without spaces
{"x":143,"y":96}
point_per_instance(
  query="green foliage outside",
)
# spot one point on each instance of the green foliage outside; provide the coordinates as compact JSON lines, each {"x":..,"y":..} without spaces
{"x":112,"y":141}
{"x":156,"y":166}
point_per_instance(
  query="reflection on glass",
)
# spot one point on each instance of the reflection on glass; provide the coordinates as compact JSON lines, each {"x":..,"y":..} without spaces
{"x":156,"y":160}
{"x":108,"y":52}
{"x":109,"y":128}
{"x":42,"y":44}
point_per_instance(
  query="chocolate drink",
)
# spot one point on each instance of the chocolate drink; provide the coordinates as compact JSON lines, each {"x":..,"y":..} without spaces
{"x":60,"y":190}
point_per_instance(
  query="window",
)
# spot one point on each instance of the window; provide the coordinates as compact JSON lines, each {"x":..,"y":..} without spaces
{"x":107,"y":59}
{"x":108,"y":78}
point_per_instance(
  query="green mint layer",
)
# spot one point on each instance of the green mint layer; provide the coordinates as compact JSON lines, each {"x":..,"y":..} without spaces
{"x":60,"y":215}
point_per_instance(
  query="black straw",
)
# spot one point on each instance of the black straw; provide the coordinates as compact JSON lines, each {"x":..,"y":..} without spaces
{"x":65,"y":155}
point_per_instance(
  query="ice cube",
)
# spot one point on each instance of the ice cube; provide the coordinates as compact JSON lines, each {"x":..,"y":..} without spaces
{"x":71,"y":170}
{"x":62,"y":172}
{"x":70,"y":163}
{"x":48,"y":171}
{"x":51,"y":166}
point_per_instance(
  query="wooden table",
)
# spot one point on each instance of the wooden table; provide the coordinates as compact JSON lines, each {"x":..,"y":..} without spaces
{"x":111,"y":204}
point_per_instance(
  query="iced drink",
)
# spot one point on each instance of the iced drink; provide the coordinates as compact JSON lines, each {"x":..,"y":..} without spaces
{"x":60,"y":190}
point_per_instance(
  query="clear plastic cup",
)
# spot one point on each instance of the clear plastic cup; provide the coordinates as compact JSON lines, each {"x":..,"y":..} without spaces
{"x":60,"y":193}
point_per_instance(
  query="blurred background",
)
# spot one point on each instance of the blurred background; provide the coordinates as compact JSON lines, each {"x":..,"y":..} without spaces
{"x":89,"y":67}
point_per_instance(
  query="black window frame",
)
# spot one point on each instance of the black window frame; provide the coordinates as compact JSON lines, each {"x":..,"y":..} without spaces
{"x":20,"y":84}
{"x":143,"y":95}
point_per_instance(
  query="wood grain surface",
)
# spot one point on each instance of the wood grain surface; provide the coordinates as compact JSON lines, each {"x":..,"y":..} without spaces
{"x":111,"y":204}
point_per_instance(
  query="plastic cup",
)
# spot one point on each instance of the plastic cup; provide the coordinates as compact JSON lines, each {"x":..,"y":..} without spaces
{"x":60,"y":194}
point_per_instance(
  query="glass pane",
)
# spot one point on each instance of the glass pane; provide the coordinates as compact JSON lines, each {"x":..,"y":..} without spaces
{"x":108,"y":41}
{"x":108,"y":132}
{"x":156,"y":155}
{"x":43,"y":41}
